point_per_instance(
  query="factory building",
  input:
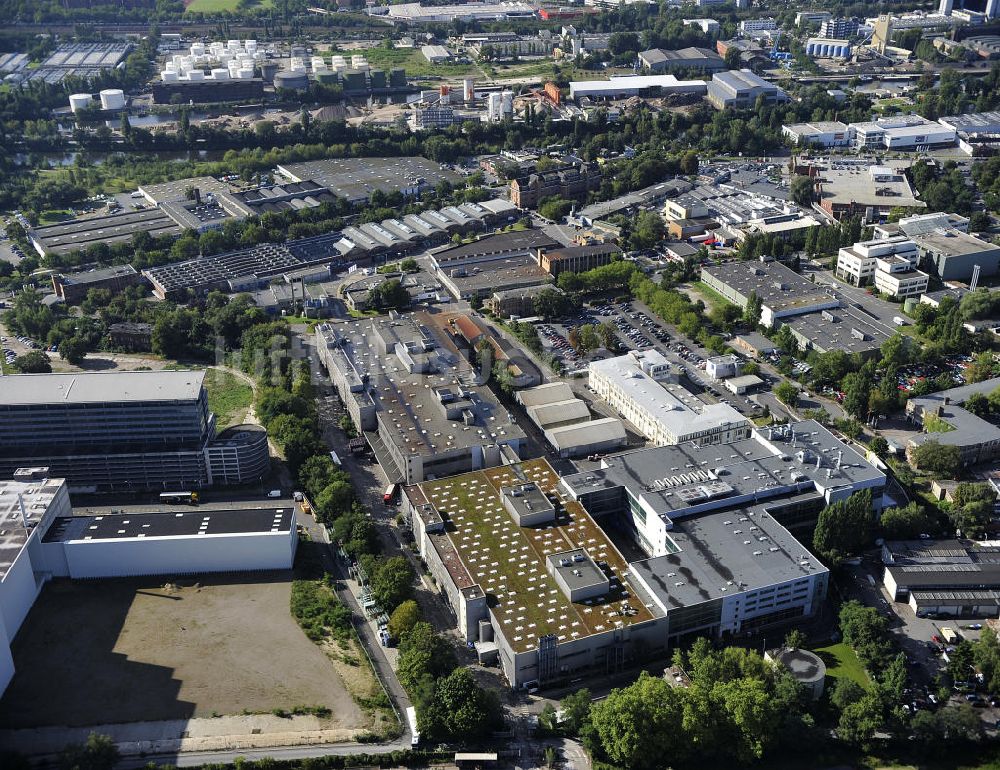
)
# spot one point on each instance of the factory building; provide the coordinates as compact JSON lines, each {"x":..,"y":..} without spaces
{"x":954,"y":255}
{"x":72,"y":288}
{"x":642,"y":388}
{"x":687,"y":59}
{"x":826,"y":133}
{"x":947,"y":577}
{"x":624,"y":86}
{"x":566,"y":423}
{"x":538,"y":586}
{"x":41,"y":538}
{"x":828,"y":48}
{"x":415,"y":399}
{"x":902,"y":132}
{"x":740,"y":89}
{"x":573,"y":182}
{"x":124,"y":431}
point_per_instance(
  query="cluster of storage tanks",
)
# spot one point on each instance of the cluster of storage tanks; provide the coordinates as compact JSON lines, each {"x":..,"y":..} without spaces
{"x":111,"y":99}
{"x":354,"y":74}
{"x":827,"y":48}
{"x":236,"y":59}
{"x":499,"y":105}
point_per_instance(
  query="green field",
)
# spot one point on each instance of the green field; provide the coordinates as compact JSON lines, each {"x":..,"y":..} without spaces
{"x":841,"y":661}
{"x":54,"y":215}
{"x":228,"y":396}
{"x":411,"y":60}
{"x":218,"y":6}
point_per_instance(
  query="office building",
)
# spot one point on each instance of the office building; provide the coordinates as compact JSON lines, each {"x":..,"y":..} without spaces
{"x":641,"y":387}
{"x":709,"y":26}
{"x":977,"y":439}
{"x":751,"y":26}
{"x":830,"y":133}
{"x":577,"y":259}
{"x":416,"y":398}
{"x":846,"y":188}
{"x":124,"y":431}
{"x":687,"y":59}
{"x":858,"y":264}
{"x":740,"y":89}
{"x":901,"y":132}
{"x":41,"y":538}
{"x":811,"y":17}
{"x":573,"y":182}
{"x":781,"y":290}
{"x":839,"y":28}
{"x":720,"y":367}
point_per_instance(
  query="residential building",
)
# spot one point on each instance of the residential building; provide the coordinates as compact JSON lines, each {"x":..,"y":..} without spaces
{"x":740,"y":89}
{"x":577,"y":259}
{"x":751,"y":26}
{"x":781,"y":291}
{"x":119,"y":431}
{"x":574,"y":182}
{"x":638,"y":386}
{"x":689,"y":59}
{"x":709,"y":26}
{"x":977,"y":439}
{"x":830,"y":133}
{"x":415,"y":397}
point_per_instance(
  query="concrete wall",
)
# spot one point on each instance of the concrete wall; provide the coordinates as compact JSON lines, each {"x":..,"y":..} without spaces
{"x":181,"y":555}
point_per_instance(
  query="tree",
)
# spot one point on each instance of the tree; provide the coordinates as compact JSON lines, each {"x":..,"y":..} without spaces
{"x":860,"y":720}
{"x":98,"y":753}
{"x":73,"y":350}
{"x":649,"y":230}
{"x":552,"y":303}
{"x":404,"y":618}
{"x":844,"y":528}
{"x":935,"y":457}
{"x":795,"y":639}
{"x":575,"y":711}
{"x":733,"y":58}
{"x":390,"y":580}
{"x":389,"y":295}
{"x":751,"y":313}
{"x":864,"y":630}
{"x":787,"y":393}
{"x":462,"y":709}
{"x":908,"y":522}
{"x":879,"y":446}
{"x":845,"y":692}
{"x":972,"y":508}
{"x":977,"y":404}
{"x":336,"y":498}
{"x":33,"y":362}
{"x":801,"y":190}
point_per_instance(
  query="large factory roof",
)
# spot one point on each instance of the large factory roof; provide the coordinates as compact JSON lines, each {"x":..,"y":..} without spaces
{"x":201,"y":522}
{"x":483,"y":546}
{"x":108,"y":228}
{"x":100,"y":387}
{"x":357,"y":178}
{"x":778,"y":286}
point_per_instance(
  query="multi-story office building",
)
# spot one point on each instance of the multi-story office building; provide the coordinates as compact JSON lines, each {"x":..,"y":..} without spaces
{"x":576,"y":259}
{"x":572,"y":182}
{"x":765,"y":24}
{"x":547,"y":595}
{"x":823,"y":133}
{"x":902,"y":132}
{"x":839,"y":29}
{"x":123,"y":431}
{"x":857,"y":264}
{"x":638,"y":386}
{"x":740,"y":89}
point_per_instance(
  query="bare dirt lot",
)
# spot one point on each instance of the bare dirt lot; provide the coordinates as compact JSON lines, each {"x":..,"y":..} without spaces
{"x":131,"y":650}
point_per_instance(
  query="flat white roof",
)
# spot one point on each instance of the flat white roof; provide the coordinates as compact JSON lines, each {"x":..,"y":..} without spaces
{"x":100,"y":387}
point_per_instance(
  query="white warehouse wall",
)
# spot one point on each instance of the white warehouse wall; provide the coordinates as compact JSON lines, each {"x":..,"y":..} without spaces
{"x":180,"y":555}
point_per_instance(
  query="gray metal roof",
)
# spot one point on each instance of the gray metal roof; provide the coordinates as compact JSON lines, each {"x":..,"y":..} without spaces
{"x":100,"y":387}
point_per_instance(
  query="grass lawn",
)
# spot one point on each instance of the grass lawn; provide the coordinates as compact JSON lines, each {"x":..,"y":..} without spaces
{"x":228,"y":396}
{"x":934,"y":424}
{"x":218,"y":6}
{"x":410,"y":59}
{"x":709,"y":293}
{"x":54,"y":215}
{"x":841,"y":661}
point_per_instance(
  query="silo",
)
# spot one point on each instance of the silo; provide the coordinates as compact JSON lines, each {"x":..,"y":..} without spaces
{"x":112,"y":99}
{"x":354,"y":81}
{"x":251,"y":46}
{"x":196,"y":75}
{"x":468,"y":90}
{"x":197,"y":49}
{"x":326,"y":77}
{"x":268,"y":70}
{"x":220,"y":73}
{"x":317,"y":63}
{"x":245,"y":73}
{"x":377,"y":79}
{"x":168,"y":76}
{"x":397,"y":78}
{"x":78,"y":102}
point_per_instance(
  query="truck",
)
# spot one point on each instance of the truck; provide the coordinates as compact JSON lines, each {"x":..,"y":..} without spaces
{"x":172,"y":498}
{"x":411,"y":721}
{"x":389,"y":497}
{"x":949,"y":635}
{"x":899,"y":320}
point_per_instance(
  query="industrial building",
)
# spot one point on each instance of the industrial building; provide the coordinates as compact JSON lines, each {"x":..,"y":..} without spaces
{"x":946,"y":577}
{"x":889,"y":263}
{"x":499,"y":262}
{"x":245,"y":91}
{"x":572,"y":182}
{"x":566,"y":422}
{"x":519,"y":302}
{"x":977,"y":439}
{"x":357,"y":178}
{"x":846,"y":188}
{"x":577,"y":259}
{"x":539,"y":587}
{"x":642,"y":388}
{"x":415,"y":13}
{"x":72,"y":288}
{"x":781,"y":290}
{"x":78,"y":60}
{"x":124,"y":431}
{"x":828,"y":48}
{"x":828,"y":133}
{"x":975,"y":130}
{"x":844,"y":328}
{"x":740,"y":89}
{"x":41,"y":539}
{"x":754,"y":344}
{"x":625,"y":86}
{"x":687,"y":59}
{"x":416,"y":400}
{"x":954,"y":255}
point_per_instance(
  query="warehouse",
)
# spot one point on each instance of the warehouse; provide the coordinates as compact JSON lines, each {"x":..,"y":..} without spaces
{"x":565,"y":420}
{"x":416,"y":13}
{"x":500,"y":262}
{"x":847,"y":188}
{"x":624,"y":86}
{"x":65,"y":237}
{"x":781,"y":290}
{"x":357,"y":178}
{"x":740,"y":89}
{"x":72,"y":288}
{"x":954,"y":255}
{"x":643,"y":390}
{"x":842,"y":328}
{"x":902,"y":132}
{"x":412,"y":398}
{"x":41,"y":538}
{"x":830,"y":133}
{"x":947,"y":577}
{"x":687,"y":59}
{"x":589,"y":437}
{"x":243,"y":90}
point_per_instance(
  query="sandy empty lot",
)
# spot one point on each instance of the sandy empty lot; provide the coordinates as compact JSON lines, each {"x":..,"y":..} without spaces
{"x":129,"y":650}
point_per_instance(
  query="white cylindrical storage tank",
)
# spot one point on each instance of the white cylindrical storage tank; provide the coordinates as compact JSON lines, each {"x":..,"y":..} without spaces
{"x":317,"y":63}
{"x":357,"y":60}
{"x":338,"y":59}
{"x":112,"y":99}
{"x":234,"y":45}
{"x":168,"y":76}
{"x":196,"y":75}
{"x":79,"y":101}
{"x":507,"y":103}
{"x":468,"y":90}
{"x":220,"y":74}
{"x":245,"y":74}
{"x":197,"y":49}
{"x":250,"y":46}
